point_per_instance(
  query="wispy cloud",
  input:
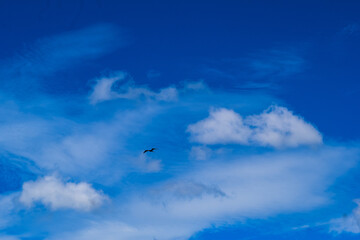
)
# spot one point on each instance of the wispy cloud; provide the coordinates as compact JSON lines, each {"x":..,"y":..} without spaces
{"x":50,"y":55}
{"x":200,"y":152}
{"x":147,"y":164}
{"x":3,"y":237}
{"x":196,"y":85}
{"x":7,"y":203}
{"x":347,"y":223}
{"x":275,"y":63}
{"x":152,"y":74}
{"x":258,"y":70}
{"x":110,"y":88}
{"x":246,"y":187}
{"x":186,"y":189}
{"x":351,"y":30}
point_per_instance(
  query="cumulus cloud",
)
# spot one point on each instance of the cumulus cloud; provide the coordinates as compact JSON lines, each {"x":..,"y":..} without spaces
{"x":347,"y":223}
{"x":222,"y":126}
{"x":276,"y":127}
{"x":55,"y":194}
{"x":109,"y":88}
{"x":279,"y":127}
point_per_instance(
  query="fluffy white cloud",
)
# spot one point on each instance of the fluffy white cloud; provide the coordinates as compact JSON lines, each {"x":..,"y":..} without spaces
{"x":279,"y":127}
{"x":52,"y":192}
{"x":108,"y":88}
{"x":276,"y":127}
{"x":348,"y":223}
{"x":222,"y":126}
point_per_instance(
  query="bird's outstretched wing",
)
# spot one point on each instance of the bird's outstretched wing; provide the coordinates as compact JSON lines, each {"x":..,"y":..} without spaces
{"x":151,"y":150}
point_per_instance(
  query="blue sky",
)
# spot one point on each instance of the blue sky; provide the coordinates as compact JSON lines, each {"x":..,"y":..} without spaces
{"x":253,"y":108}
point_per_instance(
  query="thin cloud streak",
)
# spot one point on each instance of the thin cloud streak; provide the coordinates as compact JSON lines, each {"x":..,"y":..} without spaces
{"x":51,"y":55}
{"x":109,"y":88}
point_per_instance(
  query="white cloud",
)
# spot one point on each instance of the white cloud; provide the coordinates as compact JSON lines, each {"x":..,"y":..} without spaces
{"x":261,"y":185}
{"x":55,"y":194}
{"x":222,"y":126}
{"x":109,"y":88}
{"x":247,"y":187}
{"x":92,"y":150}
{"x":348,"y":223}
{"x":279,"y":127}
{"x":275,"y":127}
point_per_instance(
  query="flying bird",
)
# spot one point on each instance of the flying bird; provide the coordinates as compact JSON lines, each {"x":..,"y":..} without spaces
{"x":151,"y":150}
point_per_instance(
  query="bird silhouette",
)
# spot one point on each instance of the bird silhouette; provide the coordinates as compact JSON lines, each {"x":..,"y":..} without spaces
{"x":151,"y":150}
